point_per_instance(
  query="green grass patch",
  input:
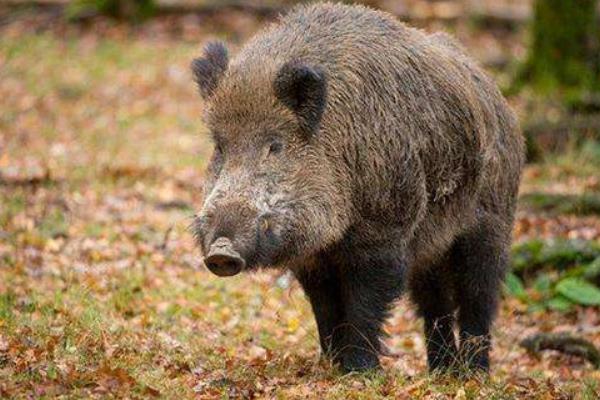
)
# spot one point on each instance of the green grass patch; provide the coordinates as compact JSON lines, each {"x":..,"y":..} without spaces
{"x":12,"y":204}
{"x":55,"y":224}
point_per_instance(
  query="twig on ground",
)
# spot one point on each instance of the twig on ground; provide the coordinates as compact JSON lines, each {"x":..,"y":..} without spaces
{"x":564,"y":343}
{"x":45,"y":178}
{"x":166,"y":237}
{"x":173,"y":205}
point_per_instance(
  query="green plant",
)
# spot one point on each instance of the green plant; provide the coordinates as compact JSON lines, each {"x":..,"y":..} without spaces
{"x":555,"y":275}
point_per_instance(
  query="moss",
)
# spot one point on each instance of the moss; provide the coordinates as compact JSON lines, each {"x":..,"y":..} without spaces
{"x":529,"y":257}
{"x":585,"y":204}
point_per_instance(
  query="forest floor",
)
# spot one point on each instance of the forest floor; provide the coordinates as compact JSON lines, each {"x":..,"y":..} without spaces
{"x":102,"y":293}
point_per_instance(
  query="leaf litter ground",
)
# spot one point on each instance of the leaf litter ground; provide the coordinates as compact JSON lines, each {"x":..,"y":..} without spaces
{"x":101,"y":289}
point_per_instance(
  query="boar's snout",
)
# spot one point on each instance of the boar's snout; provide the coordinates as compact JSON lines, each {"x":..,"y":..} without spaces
{"x":222,"y":259}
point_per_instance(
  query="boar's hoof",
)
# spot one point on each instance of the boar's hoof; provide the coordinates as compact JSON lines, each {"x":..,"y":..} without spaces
{"x":359,"y":361}
{"x":222,"y":260}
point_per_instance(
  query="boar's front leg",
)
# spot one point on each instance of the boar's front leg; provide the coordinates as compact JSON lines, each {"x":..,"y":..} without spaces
{"x":322,"y":287}
{"x":368,"y":289}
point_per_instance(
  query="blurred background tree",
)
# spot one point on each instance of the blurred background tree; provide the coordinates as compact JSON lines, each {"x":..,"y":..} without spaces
{"x":561,"y":73}
{"x":125,"y":9}
{"x":564,"y":54}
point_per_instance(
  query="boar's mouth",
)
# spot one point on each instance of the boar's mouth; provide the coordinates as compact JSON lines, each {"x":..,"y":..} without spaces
{"x":222,"y":259}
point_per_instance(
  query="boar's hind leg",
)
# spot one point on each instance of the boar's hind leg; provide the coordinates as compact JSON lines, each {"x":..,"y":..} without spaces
{"x":321,"y":286}
{"x":480,"y":260}
{"x":368,"y":290}
{"x":430,"y":292}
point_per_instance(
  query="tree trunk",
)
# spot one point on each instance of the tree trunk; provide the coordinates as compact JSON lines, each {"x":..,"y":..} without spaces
{"x":564,"y":52}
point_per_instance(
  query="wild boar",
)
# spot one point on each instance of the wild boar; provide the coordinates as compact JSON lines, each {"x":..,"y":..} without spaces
{"x":365,"y":156}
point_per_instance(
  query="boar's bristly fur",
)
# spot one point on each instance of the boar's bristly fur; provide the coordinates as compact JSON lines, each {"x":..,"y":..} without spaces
{"x":366,"y":156}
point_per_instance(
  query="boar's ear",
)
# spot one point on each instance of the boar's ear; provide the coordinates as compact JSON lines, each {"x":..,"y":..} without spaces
{"x":303,"y":89}
{"x":210,"y":68}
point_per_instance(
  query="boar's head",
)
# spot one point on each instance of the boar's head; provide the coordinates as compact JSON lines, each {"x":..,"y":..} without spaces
{"x":272,"y":193}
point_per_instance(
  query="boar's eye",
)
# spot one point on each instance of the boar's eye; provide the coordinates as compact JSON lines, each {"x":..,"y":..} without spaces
{"x":275,"y":147}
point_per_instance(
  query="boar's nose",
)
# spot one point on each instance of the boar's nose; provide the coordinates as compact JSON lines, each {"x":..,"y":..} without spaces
{"x":222,"y":259}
